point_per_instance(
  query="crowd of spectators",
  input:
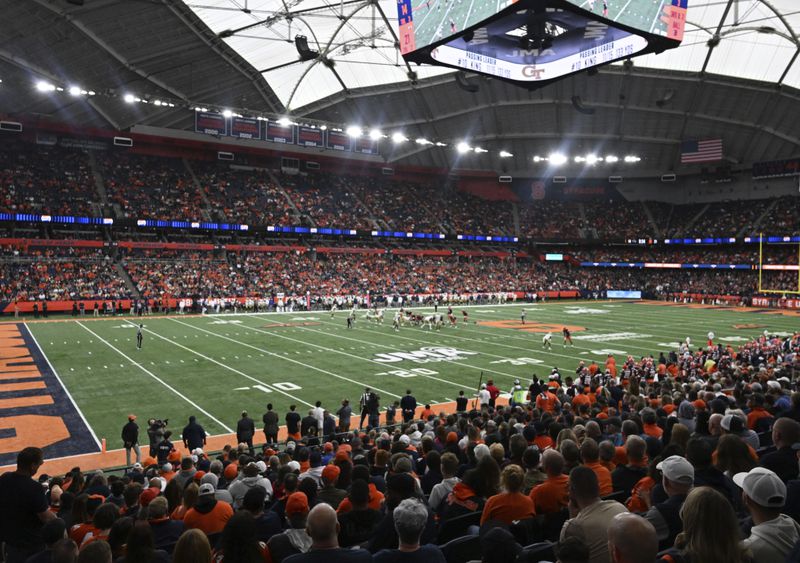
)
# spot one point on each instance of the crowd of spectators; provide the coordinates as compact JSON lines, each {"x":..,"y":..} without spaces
{"x":244,"y":196}
{"x":45,"y":179}
{"x":329,"y":200}
{"x":551,"y":220}
{"x":150,"y":187}
{"x":686,"y":457}
{"x":612,"y":219}
{"x":773,"y":254}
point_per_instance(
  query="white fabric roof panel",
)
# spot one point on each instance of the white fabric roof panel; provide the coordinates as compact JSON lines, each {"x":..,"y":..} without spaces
{"x":755,"y":43}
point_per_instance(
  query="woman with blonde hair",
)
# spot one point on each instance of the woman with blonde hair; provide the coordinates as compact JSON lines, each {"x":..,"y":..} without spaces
{"x":510,"y":504}
{"x":192,"y":547}
{"x":565,"y":434}
{"x":710,"y":531}
{"x":190,"y":494}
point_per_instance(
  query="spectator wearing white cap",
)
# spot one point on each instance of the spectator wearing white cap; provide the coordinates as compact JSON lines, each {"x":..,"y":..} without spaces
{"x":734,"y":423}
{"x":677,"y":480}
{"x":483,"y":397}
{"x":252,"y":478}
{"x":773,"y":534}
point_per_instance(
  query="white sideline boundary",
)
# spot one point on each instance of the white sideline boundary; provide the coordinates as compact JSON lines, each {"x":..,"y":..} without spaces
{"x":64,"y":387}
{"x":154,"y":376}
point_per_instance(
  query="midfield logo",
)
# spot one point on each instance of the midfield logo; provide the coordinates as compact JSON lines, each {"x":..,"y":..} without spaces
{"x":425,"y":355}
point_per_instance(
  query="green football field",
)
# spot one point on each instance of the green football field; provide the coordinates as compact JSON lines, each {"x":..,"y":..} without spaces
{"x":215,"y":366}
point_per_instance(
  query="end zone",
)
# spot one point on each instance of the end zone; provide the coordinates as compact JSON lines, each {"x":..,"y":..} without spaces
{"x":35,"y":407}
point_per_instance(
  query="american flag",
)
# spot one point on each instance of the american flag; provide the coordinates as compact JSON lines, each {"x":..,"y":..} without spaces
{"x":701,"y":151}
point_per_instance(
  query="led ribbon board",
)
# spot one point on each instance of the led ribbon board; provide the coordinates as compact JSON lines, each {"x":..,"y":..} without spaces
{"x":534,"y":42}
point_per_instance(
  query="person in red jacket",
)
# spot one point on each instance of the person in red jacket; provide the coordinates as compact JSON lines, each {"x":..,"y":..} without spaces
{"x":208,"y":514}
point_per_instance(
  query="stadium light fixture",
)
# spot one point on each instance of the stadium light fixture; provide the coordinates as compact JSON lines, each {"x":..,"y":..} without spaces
{"x":323,"y":127}
{"x":463,"y":147}
{"x":505,"y":154}
{"x":577,"y":159}
{"x":130,"y":98}
{"x":90,"y":92}
{"x":611,"y":158}
{"x":480,"y":150}
{"x":75,"y":91}
{"x":423,"y":141}
{"x":43,"y":86}
{"x":158,"y":103}
{"x":375,"y":134}
{"x":440,"y":144}
{"x":537,"y":158}
{"x":557,"y":159}
{"x":591,"y":159}
{"x":227,"y":113}
{"x":398,"y":137}
{"x":284,"y":121}
{"x":632,"y":158}
{"x":353,"y":131}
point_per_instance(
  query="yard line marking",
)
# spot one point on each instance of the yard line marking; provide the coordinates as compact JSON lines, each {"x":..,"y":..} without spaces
{"x":383,"y":365}
{"x":154,"y":376}
{"x":64,"y":387}
{"x":287,"y":359}
{"x":226,"y":366}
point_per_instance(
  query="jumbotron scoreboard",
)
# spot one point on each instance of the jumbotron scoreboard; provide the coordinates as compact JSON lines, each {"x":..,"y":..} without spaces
{"x":534,"y":42}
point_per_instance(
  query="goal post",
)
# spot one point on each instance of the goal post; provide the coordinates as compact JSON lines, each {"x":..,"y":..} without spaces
{"x":795,"y":290}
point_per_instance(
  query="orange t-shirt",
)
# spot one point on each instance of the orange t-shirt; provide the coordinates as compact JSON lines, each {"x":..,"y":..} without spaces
{"x":551,"y":496}
{"x":755,"y":415}
{"x":508,"y":507}
{"x":78,"y":532}
{"x":603,"y":477}
{"x":211,"y":522}
{"x":375,"y":500}
{"x":641,"y":488}
{"x":579,"y":400}
{"x":653,"y":430}
{"x":546,"y":402}
{"x":543,"y":442}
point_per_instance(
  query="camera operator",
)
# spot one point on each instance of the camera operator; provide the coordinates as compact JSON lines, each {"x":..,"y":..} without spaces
{"x":155,"y":432}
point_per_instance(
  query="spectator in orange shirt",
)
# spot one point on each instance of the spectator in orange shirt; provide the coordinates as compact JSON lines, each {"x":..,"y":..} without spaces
{"x":543,"y":441}
{"x":208,"y":514}
{"x":546,"y":401}
{"x":649,"y":420}
{"x":580,"y":399}
{"x":512,"y":504}
{"x":552,"y":495}
{"x":757,"y":410}
{"x":629,"y":428}
{"x":590,"y":456}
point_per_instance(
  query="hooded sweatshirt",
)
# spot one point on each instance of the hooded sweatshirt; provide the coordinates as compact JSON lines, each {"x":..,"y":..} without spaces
{"x":208,"y":515}
{"x":772,"y":541}
{"x":240,"y":487}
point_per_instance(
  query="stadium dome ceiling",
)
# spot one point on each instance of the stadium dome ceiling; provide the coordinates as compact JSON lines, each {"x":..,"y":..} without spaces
{"x":741,"y":88}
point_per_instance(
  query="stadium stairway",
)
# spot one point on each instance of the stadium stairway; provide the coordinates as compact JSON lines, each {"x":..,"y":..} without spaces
{"x":515,"y":216}
{"x":371,"y":214}
{"x":99,"y":183}
{"x":123,"y":275}
{"x":196,"y":183}
{"x":651,"y":220}
{"x":114,"y":459}
{"x":754,"y":228}
{"x":687,"y":229}
{"x":278,"y":185}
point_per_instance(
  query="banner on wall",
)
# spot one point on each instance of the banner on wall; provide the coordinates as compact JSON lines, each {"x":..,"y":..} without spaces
{"x":245,"y":128}
{"x":365,"y":145}
{"x":310,"y":137}
{"x":339,"y":141}
{"x":537,"y":189}
{"x":210,"y":123}
{"x":278,"y":133}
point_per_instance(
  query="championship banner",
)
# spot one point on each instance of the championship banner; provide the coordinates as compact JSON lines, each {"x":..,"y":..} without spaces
{"x":210,"y":123}
{"x":245,"y":128}
{"x":278,"y":133}
{"x":310,"y":137}
{"x":365,"y":145}
{"x":339,"y":141}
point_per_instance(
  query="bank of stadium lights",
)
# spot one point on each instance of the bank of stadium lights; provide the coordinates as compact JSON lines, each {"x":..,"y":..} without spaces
{"x":631,"y":158}
{"x":375,"y":134}
{"x":505,"y":154}
{"x":612,"y":159}
{"x":556,"y":159}
{"x":463,"y":148}
{"x":353,"y":131}
{"x":398,"y":138}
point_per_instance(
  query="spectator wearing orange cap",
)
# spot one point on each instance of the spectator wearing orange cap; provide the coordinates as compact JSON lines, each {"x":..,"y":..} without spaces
{"x":295,"y":539}
{"x":329,"y":493}
{"x":208,"y":514}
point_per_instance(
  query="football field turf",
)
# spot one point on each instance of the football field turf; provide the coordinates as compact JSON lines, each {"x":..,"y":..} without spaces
{"x":213,"y":367}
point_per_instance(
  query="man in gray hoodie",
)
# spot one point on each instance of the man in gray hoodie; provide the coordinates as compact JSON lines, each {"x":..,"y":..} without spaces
{"x":251,"y":478}
{"x":773,"y":534}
